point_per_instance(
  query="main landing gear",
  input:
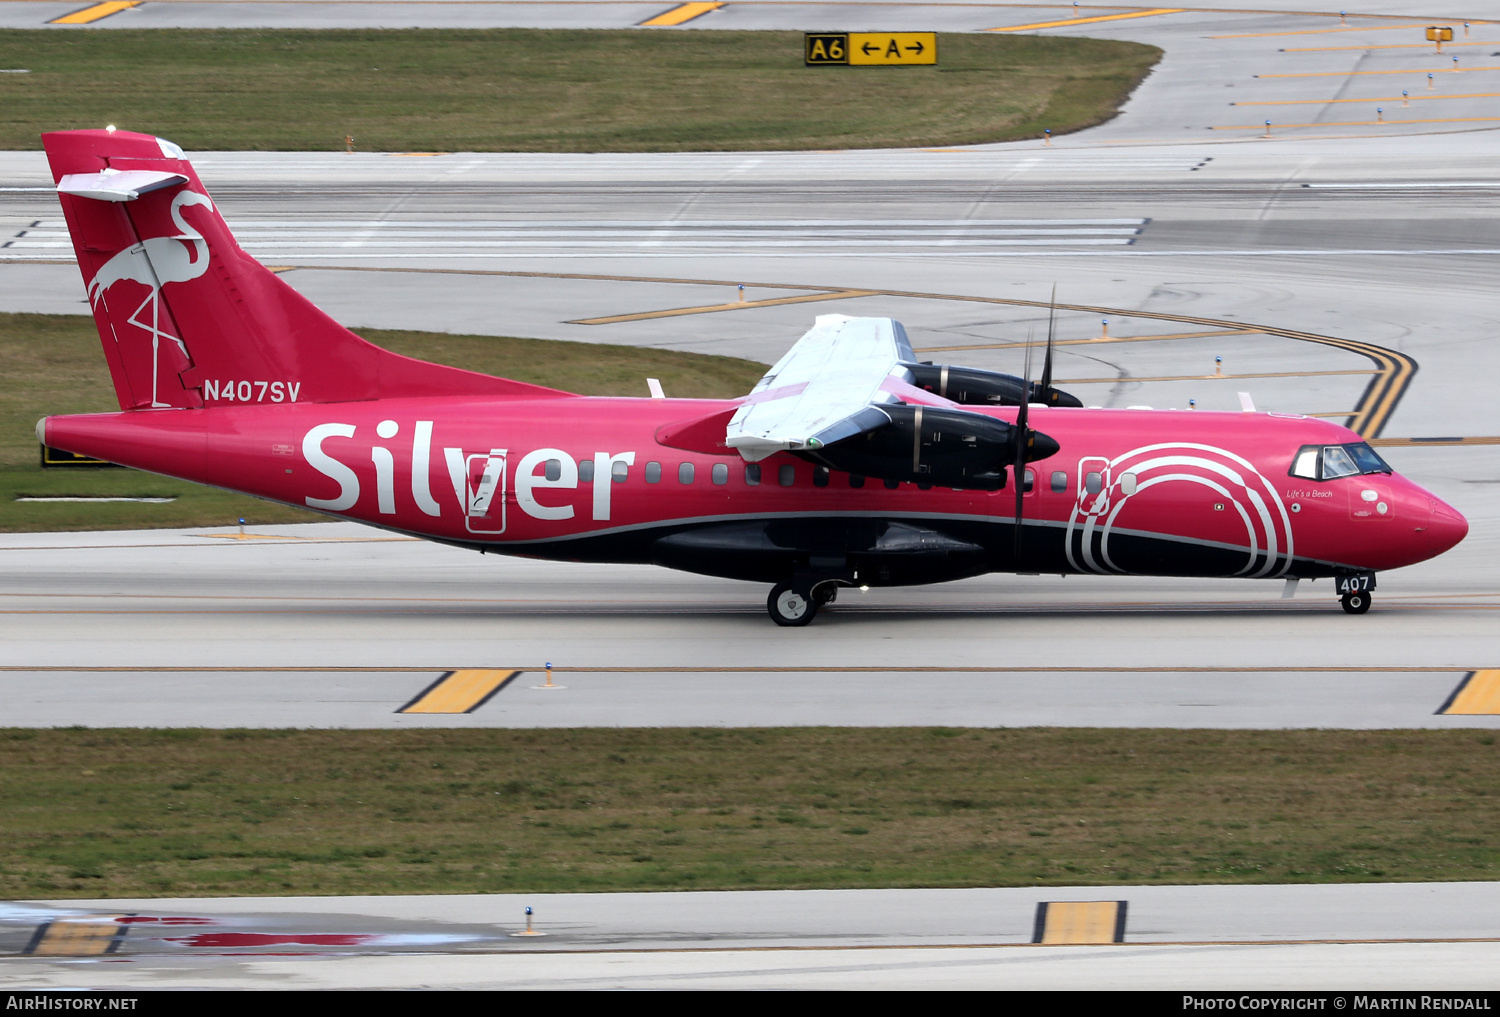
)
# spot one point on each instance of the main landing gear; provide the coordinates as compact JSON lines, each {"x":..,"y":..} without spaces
{"x":1355,"y":601}
{"x":795,"y":604}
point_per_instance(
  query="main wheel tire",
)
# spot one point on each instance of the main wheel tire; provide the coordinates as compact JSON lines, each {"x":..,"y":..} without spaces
{"x":1357,"y":602}
{"x":825,"y":593}
{"x":791,"y":607}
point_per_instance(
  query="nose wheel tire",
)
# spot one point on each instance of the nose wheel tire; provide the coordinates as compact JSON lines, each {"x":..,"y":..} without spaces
{"x":1355,"y":603}
{"x":791,"y":607}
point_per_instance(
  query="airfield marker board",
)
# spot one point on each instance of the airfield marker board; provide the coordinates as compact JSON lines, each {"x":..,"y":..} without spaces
{"x":869,"y":49}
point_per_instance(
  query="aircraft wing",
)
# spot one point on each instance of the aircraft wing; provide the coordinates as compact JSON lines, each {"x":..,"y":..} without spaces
{"x":829,"y":386}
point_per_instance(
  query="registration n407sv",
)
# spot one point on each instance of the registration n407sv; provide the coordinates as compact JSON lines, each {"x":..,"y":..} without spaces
{"x":849,"y":464}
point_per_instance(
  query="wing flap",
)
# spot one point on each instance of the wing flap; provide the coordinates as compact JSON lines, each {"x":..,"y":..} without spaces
{"x":828,"y":387}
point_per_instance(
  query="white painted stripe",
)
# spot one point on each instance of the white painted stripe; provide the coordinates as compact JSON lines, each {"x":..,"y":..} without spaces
{"x":1121,"y":251}
{"x":148,"y":501}
{"x":653,"y":224}
{"x":507,"y":245}
{"x":1395,"y":186}
{"x":661,"y":234}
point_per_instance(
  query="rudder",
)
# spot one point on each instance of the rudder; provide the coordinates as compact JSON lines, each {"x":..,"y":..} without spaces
{"x":187,"y":318}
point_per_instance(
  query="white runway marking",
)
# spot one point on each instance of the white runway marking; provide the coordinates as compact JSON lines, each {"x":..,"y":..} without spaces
{"x":448,"y":239}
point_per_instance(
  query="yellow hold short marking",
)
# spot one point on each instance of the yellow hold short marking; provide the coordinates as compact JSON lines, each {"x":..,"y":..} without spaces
{"x":1478,"y":695}
{"x":681,"y":14}
{"x":90,"y":936}
{"x":1076,"y":923}
{"x":462,"y":691}
{"x":96,"y":12}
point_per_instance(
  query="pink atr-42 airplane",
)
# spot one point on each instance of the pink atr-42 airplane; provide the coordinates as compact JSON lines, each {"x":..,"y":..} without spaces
{"x":849,"y":464}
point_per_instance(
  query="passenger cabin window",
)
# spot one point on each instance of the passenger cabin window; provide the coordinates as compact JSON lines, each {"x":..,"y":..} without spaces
{"x":1059,"y":481}
{"x":1328,"y":462}
{"x":685,"y":473}
{"x":1127,"y":484}
{"x":855,"y":480}
{"x":752,"y":474}
{"x":619,"y":472}
{"x":1028,"y":481}
{"x":1093,"y":483}
{"x":787,"y":475}
{"x":586,"y":471}
{"x":820,"y":476}
{"x":553,"y":469}
{"x":653,"y":473}
{"x":720,"y":473}
{"x":891,"y":485}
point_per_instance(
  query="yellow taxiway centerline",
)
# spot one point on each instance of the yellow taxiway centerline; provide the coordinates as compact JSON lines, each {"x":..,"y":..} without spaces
{"x":1399,"y":45}
{"x":1392,"y":372}
{"x":1087,"y":21}
{"x":461,"y":691}
{"x":680,"y":14}
{"x":1378,"y":98}
{"x":808,"y":298}
{"x":91,"y":14}
{"x":1363,"y":123}
{"x":1100,"y":339}
{"x":1359,"y":74}
{"x":1478,"y":440}
{"x":1322,"y":31}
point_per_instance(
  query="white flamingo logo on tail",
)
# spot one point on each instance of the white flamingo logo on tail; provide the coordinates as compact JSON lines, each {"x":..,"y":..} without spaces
{"x":154,"y":263}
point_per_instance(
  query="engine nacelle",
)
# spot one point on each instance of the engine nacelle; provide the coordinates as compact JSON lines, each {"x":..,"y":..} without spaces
{"x":932,"y":445}
{"x":973,"y":387}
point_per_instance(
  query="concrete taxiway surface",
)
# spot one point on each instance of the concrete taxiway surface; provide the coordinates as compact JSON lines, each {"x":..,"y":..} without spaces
{"x":1396,"y":936}
{"x":1381,"y":234}
{"x":335,"y":625}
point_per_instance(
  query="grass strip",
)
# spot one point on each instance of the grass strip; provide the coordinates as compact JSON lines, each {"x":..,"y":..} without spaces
{"x":52,"y":364}
{"x":519,"y":90}
{"x":182,"y":812}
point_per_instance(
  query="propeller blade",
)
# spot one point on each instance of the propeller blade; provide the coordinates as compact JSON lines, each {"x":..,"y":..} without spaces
{"x":1046,"y":395}
{"x":1018,"y":465}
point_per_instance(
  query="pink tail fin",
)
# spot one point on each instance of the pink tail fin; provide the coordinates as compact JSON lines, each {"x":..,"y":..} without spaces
{"x":187,"y":318}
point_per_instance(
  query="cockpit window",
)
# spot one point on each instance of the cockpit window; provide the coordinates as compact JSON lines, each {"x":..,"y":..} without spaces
{"x":1367,"y":459}
{"x":1327,"y":462}
{"x":1337,"y":463}
{"x":1306,"y":463}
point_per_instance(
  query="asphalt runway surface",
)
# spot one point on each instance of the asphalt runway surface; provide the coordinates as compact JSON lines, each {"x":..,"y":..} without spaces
{"x":1336,"y":252}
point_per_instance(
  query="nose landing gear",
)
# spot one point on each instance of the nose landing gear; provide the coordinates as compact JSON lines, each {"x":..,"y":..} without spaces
{"x":1355,"y":602}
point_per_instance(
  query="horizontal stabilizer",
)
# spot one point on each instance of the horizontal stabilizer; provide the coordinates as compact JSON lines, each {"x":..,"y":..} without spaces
{"x":117,"y":185}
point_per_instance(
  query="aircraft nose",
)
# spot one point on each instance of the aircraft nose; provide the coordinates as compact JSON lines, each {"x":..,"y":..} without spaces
{"x":1446,"y":526}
